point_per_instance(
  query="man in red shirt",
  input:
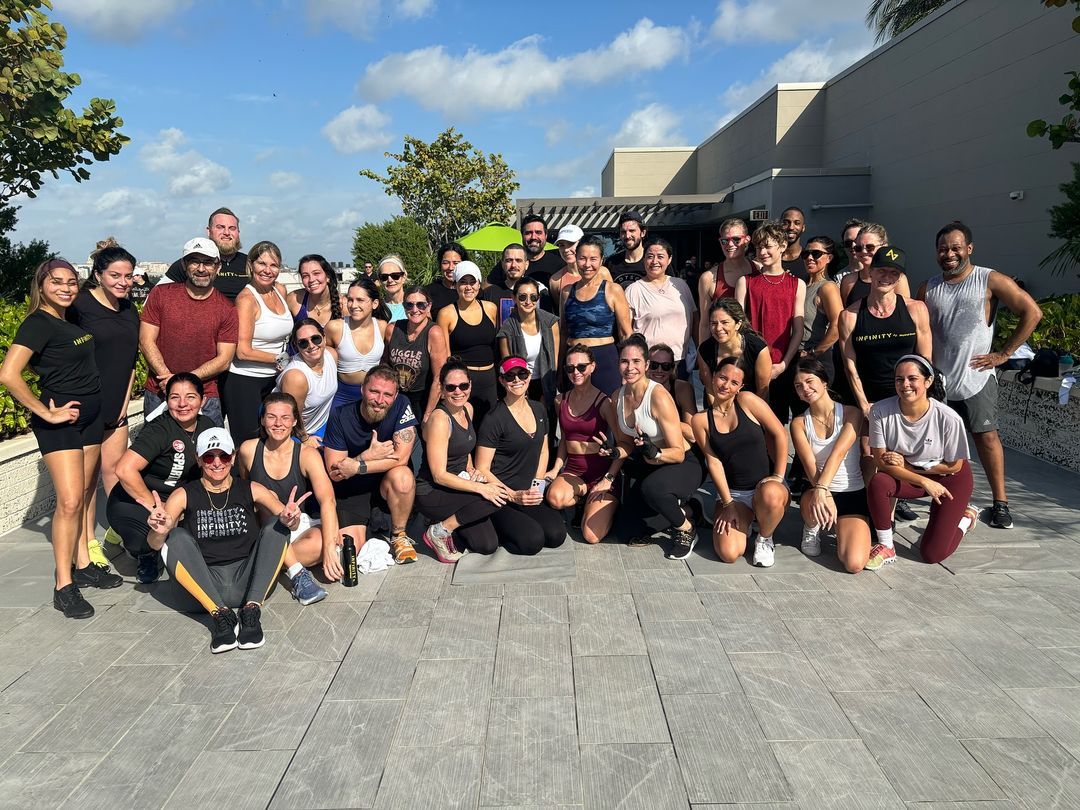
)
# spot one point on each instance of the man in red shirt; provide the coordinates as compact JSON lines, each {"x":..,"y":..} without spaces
{"x":189,"y":327}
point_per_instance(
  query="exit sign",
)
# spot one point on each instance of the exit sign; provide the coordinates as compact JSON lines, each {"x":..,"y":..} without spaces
{"x":759,"y":214}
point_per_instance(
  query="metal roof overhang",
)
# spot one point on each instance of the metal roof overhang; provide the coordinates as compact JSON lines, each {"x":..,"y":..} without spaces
{"x":602,"y":213}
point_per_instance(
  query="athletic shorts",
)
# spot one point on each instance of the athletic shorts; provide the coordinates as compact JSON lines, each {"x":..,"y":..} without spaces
{"x":306,"y":522}
{"x":355,"y":498}
{"x":744,"y":496}
{"x":851,"y":503}
{"x":86,"y":431}
{"x":589,"y":468}
{"x":979,"y":411}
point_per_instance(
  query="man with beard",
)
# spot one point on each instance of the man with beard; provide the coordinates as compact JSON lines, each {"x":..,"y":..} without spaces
{"x":189,"y":327}
{"x":514,"y":264}
{"x":793,"y":220}
{"x":223,"y":229}
{"x":543,"y":264}
{"x":628,"y":265}
{"x":366,"y":450}
{"x":963,"y":304}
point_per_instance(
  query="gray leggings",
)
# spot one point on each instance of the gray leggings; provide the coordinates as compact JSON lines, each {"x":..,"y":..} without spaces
{"x":229,"y":584}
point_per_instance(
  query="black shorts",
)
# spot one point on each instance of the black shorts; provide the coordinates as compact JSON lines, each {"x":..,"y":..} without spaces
{"x":355,"y":497}
{"x":851,"y":503}
{"x":87,"y":430}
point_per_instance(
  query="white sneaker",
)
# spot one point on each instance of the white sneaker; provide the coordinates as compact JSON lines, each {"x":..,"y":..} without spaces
{"x":763,"y":553}
{"x":811,"y":543}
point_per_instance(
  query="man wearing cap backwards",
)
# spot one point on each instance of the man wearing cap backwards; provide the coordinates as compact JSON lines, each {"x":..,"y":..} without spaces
{"x":543,"y":264}
{"x":366,"y":449}
{"x":963,"y":304}
{"x":628,"y":264}
{"x":189,"y":327}
{"x":223,"y":229}
{"x":209,"y":537}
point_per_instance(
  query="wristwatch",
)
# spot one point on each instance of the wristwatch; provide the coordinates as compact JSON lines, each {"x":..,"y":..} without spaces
{"x":609,"y":477}
{"x":362,"y":466}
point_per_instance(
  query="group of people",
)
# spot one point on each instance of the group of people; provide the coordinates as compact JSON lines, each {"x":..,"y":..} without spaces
{"x":501,"y":405}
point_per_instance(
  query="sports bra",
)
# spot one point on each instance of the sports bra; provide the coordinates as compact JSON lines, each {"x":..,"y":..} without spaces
{"x":473,"y":343}
{"x":643,"y":416}
{"x":742,"y":450}
{"x":585,"y":427}
{"x":350,"y":359}
{"x":588,"y":319}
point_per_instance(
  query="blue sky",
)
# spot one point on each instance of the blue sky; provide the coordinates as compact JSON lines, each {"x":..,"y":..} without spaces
{"x":272,"y":106}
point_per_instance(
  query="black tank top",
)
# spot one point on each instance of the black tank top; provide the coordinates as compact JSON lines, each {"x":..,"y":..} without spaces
{"x":410,"y":358}
{"x":743,"y":451}
{"x":459,"y":444}
{"x":475,"y":345}
{"x":859,"y":290}
{"x":223,"y":525}
{"x":878,"y":344}
{"x":281,"y":486}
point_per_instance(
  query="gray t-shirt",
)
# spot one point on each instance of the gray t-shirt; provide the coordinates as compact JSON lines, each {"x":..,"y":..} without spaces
{"x":938,"y":436}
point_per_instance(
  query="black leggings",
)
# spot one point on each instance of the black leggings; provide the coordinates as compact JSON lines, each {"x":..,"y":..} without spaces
{"x":483,"y":525}
{"x":128,"y":519}
{"x":485,"y":393}
{"x":243,"y":404}
{"x":472,"y":511}
{"x":661,"y":489}
{"x":230,"y":584}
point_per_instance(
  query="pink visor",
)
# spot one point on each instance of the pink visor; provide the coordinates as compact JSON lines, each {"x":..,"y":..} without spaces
{"x":511,"y":363}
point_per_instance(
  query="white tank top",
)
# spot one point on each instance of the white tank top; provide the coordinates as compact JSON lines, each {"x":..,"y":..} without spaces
{"x":643,"y":416}
{"x":848,"y":476}
{"x":532,"y":352}
{"x":315,"y":410}
{"x":270,"y":335}
{"x":350,"y":360}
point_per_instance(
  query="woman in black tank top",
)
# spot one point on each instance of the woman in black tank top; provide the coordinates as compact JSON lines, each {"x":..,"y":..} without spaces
{"x":278,"y":461}
{"x":416,"y":349}
{"x":743,"y":441}
{"x":470,"y":330}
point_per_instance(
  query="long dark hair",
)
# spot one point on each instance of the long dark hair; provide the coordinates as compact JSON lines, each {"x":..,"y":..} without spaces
{"x":936,"y":389}
{"x":368,"y":285}
{"x":332,"y":281}
{"x":106,"y":252}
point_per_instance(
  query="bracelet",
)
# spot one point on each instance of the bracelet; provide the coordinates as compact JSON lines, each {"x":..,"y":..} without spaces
{"x":726,"y":504}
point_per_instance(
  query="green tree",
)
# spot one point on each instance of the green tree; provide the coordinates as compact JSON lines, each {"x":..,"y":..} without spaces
{"x":448,"y":186}
{"x":17,"y":262}
{"x":38,"y":134}
{"x":1065,"y":225}
{"x":892,"y":17}
{"x":1068,"y":131}
{"x":401,"y":235}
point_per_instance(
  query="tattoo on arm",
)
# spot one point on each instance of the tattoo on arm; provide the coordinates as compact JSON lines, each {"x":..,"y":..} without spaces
{"x":405,"y":436}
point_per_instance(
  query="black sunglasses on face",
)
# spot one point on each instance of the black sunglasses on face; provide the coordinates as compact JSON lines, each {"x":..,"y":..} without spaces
{"x":418,"y":305}
{"x":580,"y":368}
{"x":813,"y":254}
{"x":866,"y":248}
{"x":516,"y":374}
{"x":314,"y":340}
{"x":462,"y":387}
{"x":849,"y":243}
{"x":390,"y":276}
{"x":528,"y":297}
{"x":655,"y":365}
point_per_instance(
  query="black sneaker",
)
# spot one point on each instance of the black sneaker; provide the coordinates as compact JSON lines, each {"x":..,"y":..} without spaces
{"x":224,"y":630}
{"x":904,"y":512}
{"x":70,"y":602}
{"x":251,"y":632}
{"x":147,"y":571}
{"x":682,"y":543}
{"x":999,"y":515}
{"x":96,"y":576}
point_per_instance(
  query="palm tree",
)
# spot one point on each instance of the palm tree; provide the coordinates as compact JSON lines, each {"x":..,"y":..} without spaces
{"x":892,"y":17}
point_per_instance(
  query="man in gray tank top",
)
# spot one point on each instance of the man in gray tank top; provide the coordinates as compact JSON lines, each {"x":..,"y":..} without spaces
{"x":963,"y":303}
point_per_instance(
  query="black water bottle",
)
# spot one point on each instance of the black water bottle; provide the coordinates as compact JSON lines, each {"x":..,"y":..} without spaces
{"x":348,"y":562}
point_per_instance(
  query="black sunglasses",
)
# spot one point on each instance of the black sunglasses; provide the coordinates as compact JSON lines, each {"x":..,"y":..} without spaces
{"x":420,"y":305}
{"x":528,"y":297}
{"x":314,"y":340}
{"x":213,"y":454}
{"x":390,"y":276}
{"x":866,"y":248}
{"x":849,"y":243}
{"x":813,"y":254}
{"x":452,"y":387}
{"x":580,"y":368}
{"x":656,"y":365}
{"x":516,"y":374}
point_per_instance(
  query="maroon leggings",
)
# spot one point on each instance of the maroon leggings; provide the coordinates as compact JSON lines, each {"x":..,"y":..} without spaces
{"x":942,"y":534}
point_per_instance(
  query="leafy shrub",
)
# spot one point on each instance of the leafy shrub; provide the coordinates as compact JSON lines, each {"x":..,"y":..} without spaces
{"x":1058,"y":329}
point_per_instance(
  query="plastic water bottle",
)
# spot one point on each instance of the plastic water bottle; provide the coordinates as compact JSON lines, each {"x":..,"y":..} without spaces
{"x":348,"y":562}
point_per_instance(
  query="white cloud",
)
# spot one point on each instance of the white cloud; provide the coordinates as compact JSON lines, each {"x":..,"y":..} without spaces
{"x":346,"y":220}
{"x":189,"y":173}
{"x":654,"y":125}
{"x":122,"y":207}
{"x":285,"y":179}
{"x":122,"y":20}
{"x":507,"y":79}
{"x":414,"y":9}
{"x":587,"y":191}
{"x":360,"y":17}
{"x":779,"y":20}
{"x":357,"y":129}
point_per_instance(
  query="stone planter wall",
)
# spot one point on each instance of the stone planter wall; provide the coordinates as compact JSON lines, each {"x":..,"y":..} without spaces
{"x":1051,"y":431}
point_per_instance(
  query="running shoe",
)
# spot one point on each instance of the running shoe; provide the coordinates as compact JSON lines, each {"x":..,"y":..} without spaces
{"x":811,"y":543}
{"x":438,"y":540}
{"x":764,"y":553}
{"x":904,"y":512}
{"x":112,"y":537}
{"x":402,"y":547}
{"x":147,"y":570}
{"x":70,"y":602}
{"x":96,"y":576}
{"x":223,"y":631}
{"x":96,"y":553}
{"x":250,"y":634}
{"x":306,"y":590}
{"x":683,"y":543}
{"x":999,"y":515}
{"x":880,"y":556}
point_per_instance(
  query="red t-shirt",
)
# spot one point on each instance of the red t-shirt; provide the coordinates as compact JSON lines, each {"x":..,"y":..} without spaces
{"x":770,"y":306}
{"x":189,"y":329}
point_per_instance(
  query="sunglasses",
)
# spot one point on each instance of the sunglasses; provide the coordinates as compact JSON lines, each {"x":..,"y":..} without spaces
{"x":849,"y":243}
{"x":207,"y":458}
{"x":656,"y":365}
{"x":528,"y":297}
{"x":580,"y":368}
{"x":390,"y":276}
{"x":304,"y":343}
{"x":417,"y":305}
{"x":462,"y":387}
{"x":516,"y":374}
{"x":731,"y":240}
{"x":813,"y":254}
{"x":866,"y":248}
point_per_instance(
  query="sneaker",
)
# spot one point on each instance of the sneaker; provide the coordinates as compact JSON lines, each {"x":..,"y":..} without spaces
{"x":764,"y":553}
{"x":904,"y":512}
{"x":402,"y":548}
{"x":96,"y":553}
{"x":250,"y":636}
{"x":70,"y":602}
{"x":972,"y":514}
{"x":306,"y":590}
{"x":438,"y":540}
{"x":224,"y":632}
{"x":147,"y":570}
{"x":880,"y":556}
{"x":999,"y":515}
{"x":811,"y":543}
{"x":96,"y":576}
{"x":682,"y":544}
{"x":113,"y":538}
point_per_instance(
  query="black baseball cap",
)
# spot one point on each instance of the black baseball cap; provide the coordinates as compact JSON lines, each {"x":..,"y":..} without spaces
{"x":630,"y":216}
{"x":889,"y":256}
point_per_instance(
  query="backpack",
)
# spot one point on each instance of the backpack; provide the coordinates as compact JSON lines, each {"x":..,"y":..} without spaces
{"x":1043,"y":364}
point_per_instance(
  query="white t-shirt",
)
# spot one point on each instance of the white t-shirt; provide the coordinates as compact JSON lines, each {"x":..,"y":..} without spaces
{"x":938,"y":436}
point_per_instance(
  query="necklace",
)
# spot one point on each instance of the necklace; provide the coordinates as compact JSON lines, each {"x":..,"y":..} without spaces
{"x":778,"y":282}
{"x":721,"y":411}
{"x":826,"y":424}
{"x":210,"y":500}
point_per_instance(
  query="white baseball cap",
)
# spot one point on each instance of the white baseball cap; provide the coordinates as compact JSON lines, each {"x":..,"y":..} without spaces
{"x":202,"y":246}
{"x":467,"y":268}
{"x":569,"y":233}
{"x":214,"y":439}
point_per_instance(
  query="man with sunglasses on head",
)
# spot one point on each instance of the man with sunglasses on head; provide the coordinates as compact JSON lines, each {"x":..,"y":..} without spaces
{"x":223,"y":229}
{"x":189,"y":327}
{"x":366,"y":449}
{"x":514,"y":265}
{"x":719,"y":282}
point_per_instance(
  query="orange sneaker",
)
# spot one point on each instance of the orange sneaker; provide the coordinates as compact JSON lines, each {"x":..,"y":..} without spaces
{"x":403,"y":550}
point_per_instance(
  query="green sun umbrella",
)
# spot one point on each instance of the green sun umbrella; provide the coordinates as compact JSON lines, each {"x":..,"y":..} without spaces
{"x":494,"y":237}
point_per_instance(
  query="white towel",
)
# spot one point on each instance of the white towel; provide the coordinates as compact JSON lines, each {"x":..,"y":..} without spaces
{"x":374,"y":556}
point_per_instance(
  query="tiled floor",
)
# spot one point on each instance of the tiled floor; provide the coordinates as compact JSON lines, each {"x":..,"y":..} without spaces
{"x":643,"y":683}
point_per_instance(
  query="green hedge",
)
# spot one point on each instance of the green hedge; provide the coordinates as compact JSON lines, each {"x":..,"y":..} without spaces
{"x":1058,"y":329}
{"x":14,"y":418}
